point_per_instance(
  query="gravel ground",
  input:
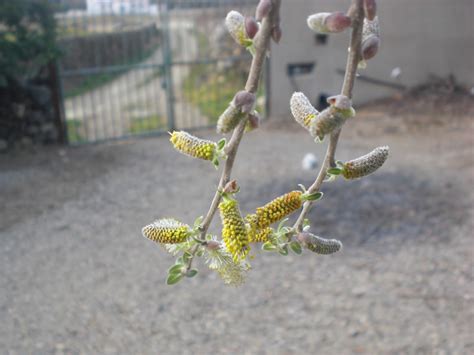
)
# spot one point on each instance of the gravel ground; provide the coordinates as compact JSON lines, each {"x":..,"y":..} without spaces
{"x":77,"y":277}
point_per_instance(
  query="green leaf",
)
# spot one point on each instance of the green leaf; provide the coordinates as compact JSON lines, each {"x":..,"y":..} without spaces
{"x":173,"y":279}
{"x":280,"y":225}
{"x":221,"y":144}
{"x":198,"y":221}
{"x":296,"y":247}
{"x":187,"y":256}
{"x":175,"y":269}
{"x":314,"y":197}
{"x":284,"y":251}
{"x":306,"y":223}
{"x":191,"y":273}
{"x":268,"y":246}
{"x":301,"y":186}
{"x":334,"y":171}
{"x":180,"y":261}
{"x":215,"y":161}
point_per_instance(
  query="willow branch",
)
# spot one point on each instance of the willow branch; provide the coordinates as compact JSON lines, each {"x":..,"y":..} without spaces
{"x":353,"y":58}
{"x":262,"y":46}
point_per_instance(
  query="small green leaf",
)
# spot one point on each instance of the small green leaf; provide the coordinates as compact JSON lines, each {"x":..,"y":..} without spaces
{"x":221,"y":144}
{"x":175,"y":269}
{"x":334,"y":171}
{"x":296,"y":247}
{"x":198,"y":221}
{"x":268,"y":246}
{"x":215,"y":161}
{"x":191,"y":273}
{"x":306,"y":223}
{"x":180,"y":261}
{"x":284,"y":250}
{"x":173,"y":279}
{"x":314,"y":197}
{"x":301,"y":186}
{"x":187,"y":256}
{"x":281,"y":224}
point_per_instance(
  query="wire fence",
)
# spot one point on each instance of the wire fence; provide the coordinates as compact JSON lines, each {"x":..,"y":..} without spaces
{"x":148,"y":68}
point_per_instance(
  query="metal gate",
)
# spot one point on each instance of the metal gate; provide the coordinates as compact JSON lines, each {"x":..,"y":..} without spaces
{"x":137,"y":68}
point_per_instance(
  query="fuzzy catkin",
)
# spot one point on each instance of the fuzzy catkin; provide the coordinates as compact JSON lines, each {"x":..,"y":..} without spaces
{"x":229,"y":119}
{"x":326,"y":122}
{"x":234,"y":230}
{"x":319,"y":245}
{"x":235,"y":24}
{"x":193,"y":146}
{"x":167,"y":231}
{"x":302,"y":110}
{"x":278,"y":209}
{"x":366,"y":164}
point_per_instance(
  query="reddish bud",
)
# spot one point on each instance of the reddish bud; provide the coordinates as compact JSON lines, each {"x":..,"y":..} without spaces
{"x":370,"y":47}
{"x":370,"y":9}
{"x":340,"y":101}
{"x":213,"y":245}
{"x":245,"y":100}
{"x":231,"y":187}
{"x":337,"y":22}
{"x":251,"y":27}
{"x":254,"y":121}
{"x":263,"y":9}
{"x":276,"y":34}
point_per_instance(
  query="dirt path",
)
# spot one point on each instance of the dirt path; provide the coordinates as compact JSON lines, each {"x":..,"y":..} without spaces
{"x":77,"y":277}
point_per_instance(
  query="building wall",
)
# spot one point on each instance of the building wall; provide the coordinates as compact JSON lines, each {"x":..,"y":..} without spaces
{"x":420,"y":37}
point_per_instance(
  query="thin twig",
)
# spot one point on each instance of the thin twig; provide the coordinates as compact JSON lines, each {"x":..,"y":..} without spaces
{"x":262,"y":45}
{"x":357,"y":14}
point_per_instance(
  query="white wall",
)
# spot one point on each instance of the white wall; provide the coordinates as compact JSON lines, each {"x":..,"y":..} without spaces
{"x":421,"y":37}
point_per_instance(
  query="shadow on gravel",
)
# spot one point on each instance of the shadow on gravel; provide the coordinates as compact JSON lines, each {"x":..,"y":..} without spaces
{"x":389,"y":208}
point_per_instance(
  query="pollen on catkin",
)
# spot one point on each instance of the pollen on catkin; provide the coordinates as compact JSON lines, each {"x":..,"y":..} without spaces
{"x":255,"y":234}
{"x":302,"y":110}
{"x":235,"y":23}
{"x":193,"y":146}
{"x":166,"y":231}
{"x":366,"y":164}
{"x":278,"y":209}
{"x":234,"y":230}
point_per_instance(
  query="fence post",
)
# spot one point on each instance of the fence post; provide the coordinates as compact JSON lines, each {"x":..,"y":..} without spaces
{"x":57,"y":101}
{"x":167,"y":64}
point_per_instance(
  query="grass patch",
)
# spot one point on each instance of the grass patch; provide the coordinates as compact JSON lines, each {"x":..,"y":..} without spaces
{"x":75,"y":131}
{"x":147,"y":124}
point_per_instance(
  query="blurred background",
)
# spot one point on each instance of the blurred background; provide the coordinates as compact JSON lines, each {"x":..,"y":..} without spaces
{"x":89,"y":90}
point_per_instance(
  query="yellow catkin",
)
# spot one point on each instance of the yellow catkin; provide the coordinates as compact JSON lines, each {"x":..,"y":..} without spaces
{"x":254,"y":233}
{"x":234,"y":230}
{"x":278,"y":209}
{"x":193,"y":146}
{"x":166,"y":231}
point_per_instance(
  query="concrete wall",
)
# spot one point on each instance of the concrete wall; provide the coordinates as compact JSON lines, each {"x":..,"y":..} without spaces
{"x":420,"y":37}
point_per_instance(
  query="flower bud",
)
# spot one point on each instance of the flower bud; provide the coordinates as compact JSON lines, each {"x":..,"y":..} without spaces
{"x":229,"y":119}
{"x":213,"y":245}
{"x":366,"y":164}
{"x":235,"y":24}
{"x":231,"y":187}
{"x":370,"y":9}
{"x":337,"y":22}
{"x":317,"y":244}
{"x":302,"y":110}
{"x":245,"y":101}
{"x":333,"y":117}
{"x":167,"y":231}
{"x":253,"y":121}
{"x":326,"y":22}
{"x":234,"y":230}
{"x":276,"y":34}
{"x":251,"y":27}
{"x":370,"y":38}
{"x":193,"y":146}
{"x":263,"y":9}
